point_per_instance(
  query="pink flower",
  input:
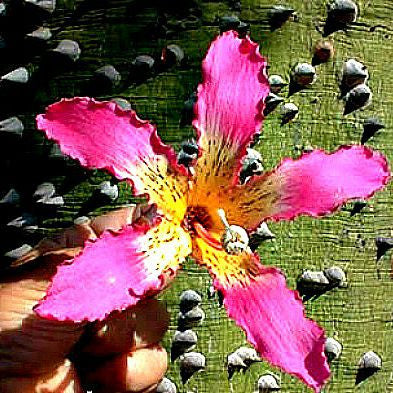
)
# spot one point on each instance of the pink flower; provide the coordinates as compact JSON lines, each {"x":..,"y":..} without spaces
{"x":120,"y":268}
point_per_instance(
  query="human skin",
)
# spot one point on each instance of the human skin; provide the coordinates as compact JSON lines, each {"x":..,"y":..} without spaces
{"x":44,"y":356}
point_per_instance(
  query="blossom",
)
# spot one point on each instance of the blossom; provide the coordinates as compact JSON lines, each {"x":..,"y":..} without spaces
{"x":196,"y":211}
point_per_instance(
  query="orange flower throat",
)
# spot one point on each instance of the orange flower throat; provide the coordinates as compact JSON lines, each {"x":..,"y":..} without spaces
{"x":197,"y":222}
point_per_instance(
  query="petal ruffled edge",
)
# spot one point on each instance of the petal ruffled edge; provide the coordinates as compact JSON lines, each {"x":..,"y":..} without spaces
{"x":229,"y":108}
{"x":328,"y":180}
{"x":257,"y":299}
{"x":273,"y":319}
{"x":123,"y":120}
{"x":103,"y":135}
{"x":315,"y":184}
{"x":112,"y":273}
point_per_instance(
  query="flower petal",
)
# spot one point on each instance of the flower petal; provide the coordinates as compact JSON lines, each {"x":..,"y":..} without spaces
{"x":273,"y":318}
{"x":231,"y":96}
{"x":315,"y":184}
{"x":228,"y":110}
{"x":115,"y":272}
{"x":102,"y":135}
{"x":272,"y":315}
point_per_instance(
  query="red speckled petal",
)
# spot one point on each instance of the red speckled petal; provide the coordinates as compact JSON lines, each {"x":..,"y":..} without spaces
{"x":114,"y":272}
{"x":228,"y":111}
{"x":102,"y":135}
{"x":273,"y":318}
{"x":315,"y":184}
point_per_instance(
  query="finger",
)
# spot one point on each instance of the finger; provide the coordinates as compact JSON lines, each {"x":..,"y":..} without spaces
{"x":85,"y":229}
{"x":71,"y":238}
{"x":79,"y":233}
{"x":138,"y":371}
{"x":28,"y":343}
{"x":62,"y":254}
{"x":63,"y":379}
{"x":140,"y":326}
{"x":34,"y":343}
{"x":55,"y":256}
{"x":116,"y":219}
{"x":151,"y":322}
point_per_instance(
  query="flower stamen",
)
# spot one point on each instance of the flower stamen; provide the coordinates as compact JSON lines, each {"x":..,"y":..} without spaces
{"x":235,"y":238}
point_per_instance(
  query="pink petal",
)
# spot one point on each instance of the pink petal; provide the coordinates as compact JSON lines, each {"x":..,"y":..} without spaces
{"x":102,"y":135}
{"x":315,"y":184}
{"x":231,"y":96}
{"x":273,"y":318}
{"x":272,"y":315}
{"x":318,"y":183}
{"x":113,"y":273}
{"x":230,"y":102}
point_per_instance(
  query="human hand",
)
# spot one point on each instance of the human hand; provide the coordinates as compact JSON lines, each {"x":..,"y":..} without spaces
{"x":120,"y":354}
